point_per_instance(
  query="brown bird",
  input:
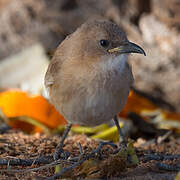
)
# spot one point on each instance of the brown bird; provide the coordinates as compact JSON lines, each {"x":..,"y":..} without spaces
{"x":88,"y":78}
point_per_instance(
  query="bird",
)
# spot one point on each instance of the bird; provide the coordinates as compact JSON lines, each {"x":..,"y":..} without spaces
{"x":89,"y":79}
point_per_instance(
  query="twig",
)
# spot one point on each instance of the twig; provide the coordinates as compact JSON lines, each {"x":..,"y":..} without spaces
{"x":101,"y":144}
{"x":158,"y":157}
{"x":36,"y":169}
{"x":27,"y":162}
{"x":80,"y":148}
{"x":167,"y":167}
{"x":49,"y":162}
{"x":160,"y":139}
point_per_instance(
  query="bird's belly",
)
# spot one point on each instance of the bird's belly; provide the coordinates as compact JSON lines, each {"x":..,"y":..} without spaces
{"x":95,"y":108}
{"x":96,"y":101}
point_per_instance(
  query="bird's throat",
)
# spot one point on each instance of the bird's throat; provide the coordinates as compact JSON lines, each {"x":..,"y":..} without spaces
{"x":113,"y":63}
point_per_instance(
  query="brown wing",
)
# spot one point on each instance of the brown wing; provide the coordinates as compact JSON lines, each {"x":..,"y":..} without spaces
{"x":51,"y":73}
{"x":55,"y":64}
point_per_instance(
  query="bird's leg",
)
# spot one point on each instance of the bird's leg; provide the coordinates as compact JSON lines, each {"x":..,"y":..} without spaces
{"x":59,"y":152}
{"x":126,"y":148}
{"x":124,"y":142}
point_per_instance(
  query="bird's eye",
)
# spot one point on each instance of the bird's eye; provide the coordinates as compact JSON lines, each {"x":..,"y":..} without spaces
{"x":104,"y":43}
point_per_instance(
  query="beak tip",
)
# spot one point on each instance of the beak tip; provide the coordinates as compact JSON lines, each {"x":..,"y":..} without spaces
{"x":144,"y":53}
{"x":136,"y":48}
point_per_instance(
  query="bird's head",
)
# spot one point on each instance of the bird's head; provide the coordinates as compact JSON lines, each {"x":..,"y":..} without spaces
{"x":98,"y":38}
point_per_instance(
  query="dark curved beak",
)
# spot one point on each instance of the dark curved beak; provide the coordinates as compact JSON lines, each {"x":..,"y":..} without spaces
{"x":128,"y":47}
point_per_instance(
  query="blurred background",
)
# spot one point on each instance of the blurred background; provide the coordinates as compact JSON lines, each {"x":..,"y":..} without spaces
{"x":31,"y":30}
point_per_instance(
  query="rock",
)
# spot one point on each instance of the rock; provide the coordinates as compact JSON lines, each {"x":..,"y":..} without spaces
{"x":156,"y":33}
{"x":158,"y":73}
{"x":168,"y":12}
{"x":22,"y":27}
{"x":25,"y":70}
{"x":30,"y":21}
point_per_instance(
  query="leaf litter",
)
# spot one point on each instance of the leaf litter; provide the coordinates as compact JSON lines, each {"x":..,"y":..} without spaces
{"x":15,"y":144}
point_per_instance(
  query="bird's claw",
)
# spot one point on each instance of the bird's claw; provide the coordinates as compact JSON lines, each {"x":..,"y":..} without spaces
{"x":103,"y":143}
{"x":126,"y":150}
{"x":61,"y":154}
